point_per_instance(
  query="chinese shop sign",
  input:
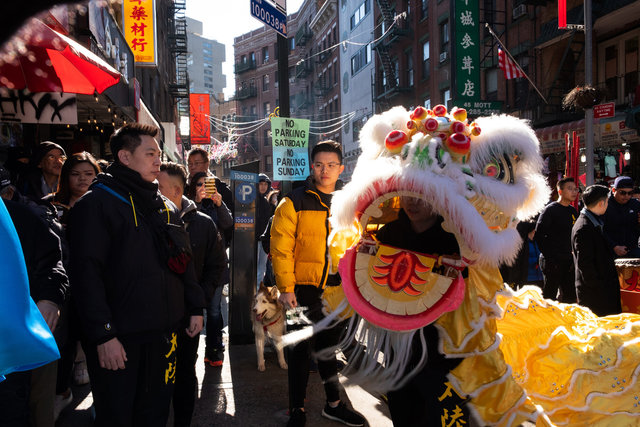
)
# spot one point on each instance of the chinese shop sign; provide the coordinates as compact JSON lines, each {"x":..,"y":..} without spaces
{"x":467,"y":48}
{"x":140,"y":30}
{"x":199,"y":118}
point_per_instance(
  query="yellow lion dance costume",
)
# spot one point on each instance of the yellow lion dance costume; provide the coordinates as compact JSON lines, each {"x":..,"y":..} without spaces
{"x":524,"y":358}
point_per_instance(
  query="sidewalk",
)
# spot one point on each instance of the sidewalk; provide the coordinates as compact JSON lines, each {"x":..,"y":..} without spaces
{"x":239,"y":395}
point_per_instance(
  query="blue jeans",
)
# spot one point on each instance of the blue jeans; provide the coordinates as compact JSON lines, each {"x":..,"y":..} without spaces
{"x":262,"y":265}
{"x":214,"y":322}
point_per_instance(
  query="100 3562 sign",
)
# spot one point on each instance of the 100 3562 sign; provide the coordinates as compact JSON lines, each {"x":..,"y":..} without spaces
{"x":268,"y":14}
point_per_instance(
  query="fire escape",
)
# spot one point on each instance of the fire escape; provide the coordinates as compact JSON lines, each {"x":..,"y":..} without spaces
{"x":389,"y":86}
{"x":177,"y":41}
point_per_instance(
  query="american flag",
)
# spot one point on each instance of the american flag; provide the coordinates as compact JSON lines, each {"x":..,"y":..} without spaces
{"x":510,"y":69}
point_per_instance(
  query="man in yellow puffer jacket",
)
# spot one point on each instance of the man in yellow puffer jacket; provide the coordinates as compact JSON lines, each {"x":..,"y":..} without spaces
{"x":299,"y":233}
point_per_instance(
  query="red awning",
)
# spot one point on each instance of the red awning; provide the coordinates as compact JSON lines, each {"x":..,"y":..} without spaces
{"x":52,"y":62}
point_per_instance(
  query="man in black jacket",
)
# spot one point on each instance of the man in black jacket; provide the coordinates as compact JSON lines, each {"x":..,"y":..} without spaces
{"x":622,"y":220}
{"x":596,"y":278}
{"x":553,"y":235}
{"x":133,"y":283}
{"x":209,"y":260}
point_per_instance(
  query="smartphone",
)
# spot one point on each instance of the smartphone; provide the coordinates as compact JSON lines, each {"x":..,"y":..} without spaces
{"x":210,"y":186}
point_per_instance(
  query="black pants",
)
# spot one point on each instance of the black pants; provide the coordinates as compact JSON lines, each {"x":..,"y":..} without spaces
{"x":428,"y":399}
{"x":140,"y":394}
{"x":14,"y":399}
{"x":186,"y":387}
{"x":559,"y":279}
{"x":300,"y":355}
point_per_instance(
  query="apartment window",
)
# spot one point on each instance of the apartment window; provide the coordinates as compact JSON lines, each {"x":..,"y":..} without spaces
{"x":446,"y":97}
{"x":335,"y":74}
{"x":396,"y":70}
{"x":427,"y":103}
{"x":444,"y":36}
{"x":362,"y":10}
{"x":620,"y":67}
{"x":409,"y":61}
{"x":266,"y":107}
{"x":276,"y":80}
{"x":491,"y":84}
{"x":360,"y":59}
{"x":252,"y":57}
{"x":208,"y":71}
{"x":265,"y":137}
{"x":424,"y":9}
{"x":254,"y":111}
{"x":243,"y":59}
{"x":292,"y":44}
{"x":265,"y":54}
{"x":265,"y":82}
{"x":268,"y":162}
{"x":208,"y":79}
{"x":425,"y":60}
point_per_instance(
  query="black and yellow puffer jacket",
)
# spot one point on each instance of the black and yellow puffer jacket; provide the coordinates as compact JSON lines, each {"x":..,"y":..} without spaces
{"x":299,"y":234}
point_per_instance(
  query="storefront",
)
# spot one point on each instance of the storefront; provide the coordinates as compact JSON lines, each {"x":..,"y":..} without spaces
{"x":616,"y":148}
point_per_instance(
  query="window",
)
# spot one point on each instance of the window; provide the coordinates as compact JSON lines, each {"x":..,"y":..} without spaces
{"x":446,"y":97}
{"x":491,"y":84}
{"x":360,"y":59}
{"x":444,"y":36}
{"x":265,"y":54}
{"x":276,"y":80}
{"x":243,"y":59}
{"x":409,"y":61}
{"x":619,"y":70}
{"x":266,"y":107}
{"x":265,"y":137}
{"x":360,"y":13}
{"x":265,"y":82}
{"x":292,"y":44}
{"x":208,"y":79}
{"x":254,"y":111}
{"x":424,"y":9}
{"x":268,"y":162}
{"x":252,"y":57}
{"x":335,"y":73}
{"x":396,"y":70}
{"x":425,"y":60}
{"x":427,"y":103}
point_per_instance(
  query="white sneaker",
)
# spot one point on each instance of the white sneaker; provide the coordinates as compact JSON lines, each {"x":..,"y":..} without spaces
{"x":60,"y":403}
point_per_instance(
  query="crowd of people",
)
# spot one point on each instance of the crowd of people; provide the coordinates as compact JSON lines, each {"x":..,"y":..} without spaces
{"x":571,"y":253}
{"x":125,"y":260}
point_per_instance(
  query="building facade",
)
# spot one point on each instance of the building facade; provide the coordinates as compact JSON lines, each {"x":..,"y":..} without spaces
{"x":204,"y":61}
{"x":357,"y":65}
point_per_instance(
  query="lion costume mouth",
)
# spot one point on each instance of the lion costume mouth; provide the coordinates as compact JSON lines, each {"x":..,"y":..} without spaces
{"x":392,"y":287}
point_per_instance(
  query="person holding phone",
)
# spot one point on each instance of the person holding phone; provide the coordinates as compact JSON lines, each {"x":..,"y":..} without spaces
{"x":622,"y":220}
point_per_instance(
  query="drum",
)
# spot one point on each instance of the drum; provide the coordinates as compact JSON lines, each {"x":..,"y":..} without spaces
{"x":629,"y":277}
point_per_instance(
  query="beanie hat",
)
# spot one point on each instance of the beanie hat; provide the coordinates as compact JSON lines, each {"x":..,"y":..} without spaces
{"x":43,"y":149}
{"x":263,"y":177}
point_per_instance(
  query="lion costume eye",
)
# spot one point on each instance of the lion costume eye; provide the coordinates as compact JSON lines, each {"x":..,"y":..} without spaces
{"x":500,"y":168}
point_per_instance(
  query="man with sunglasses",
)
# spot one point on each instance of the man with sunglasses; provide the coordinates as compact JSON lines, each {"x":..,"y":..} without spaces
{"x":621,"y":220}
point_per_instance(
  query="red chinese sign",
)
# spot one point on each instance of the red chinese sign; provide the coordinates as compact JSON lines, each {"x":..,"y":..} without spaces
{"x":199,"y":126}
{"x":139,"y":30}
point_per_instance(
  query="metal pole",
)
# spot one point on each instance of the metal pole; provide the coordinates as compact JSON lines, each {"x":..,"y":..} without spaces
{"x":588,"y":80}
{"x":283,"y":76}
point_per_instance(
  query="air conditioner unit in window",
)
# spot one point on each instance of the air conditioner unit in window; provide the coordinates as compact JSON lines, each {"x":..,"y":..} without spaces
{"x":519,"y":11}
{"x":443,"y":56}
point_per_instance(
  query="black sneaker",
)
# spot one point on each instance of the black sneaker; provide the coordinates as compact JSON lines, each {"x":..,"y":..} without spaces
{"x":343,"y":414}
{"x":298,"y":418}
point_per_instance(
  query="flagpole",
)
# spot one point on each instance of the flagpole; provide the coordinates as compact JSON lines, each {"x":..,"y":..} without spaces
{"x":515,"y":62}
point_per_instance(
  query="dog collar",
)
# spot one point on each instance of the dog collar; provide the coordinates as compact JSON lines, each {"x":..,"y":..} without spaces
{"x":264,"y":327}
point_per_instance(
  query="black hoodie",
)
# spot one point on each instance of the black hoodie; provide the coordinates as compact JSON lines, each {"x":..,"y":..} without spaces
{"x":122,"y":283}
